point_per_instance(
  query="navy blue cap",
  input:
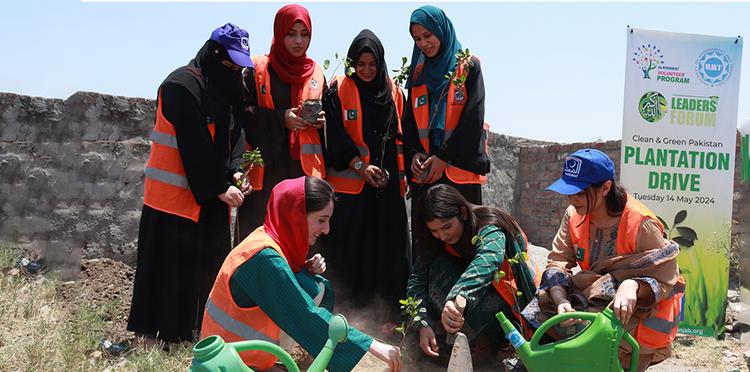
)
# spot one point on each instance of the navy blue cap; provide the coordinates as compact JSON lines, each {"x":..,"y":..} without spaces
{"x":582,"y":169}
{"x":237,"y":43}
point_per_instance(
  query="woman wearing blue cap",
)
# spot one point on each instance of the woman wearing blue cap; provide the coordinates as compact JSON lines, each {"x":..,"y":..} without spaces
{"x":184,"y":231}
{"x":625,"y":261}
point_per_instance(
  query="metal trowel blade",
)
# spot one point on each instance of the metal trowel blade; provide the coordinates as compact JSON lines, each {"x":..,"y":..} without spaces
{"x":460,"y":355}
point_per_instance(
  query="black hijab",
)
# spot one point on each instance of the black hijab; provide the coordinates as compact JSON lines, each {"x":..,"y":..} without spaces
{"x":377,"y":91}
{"x":223,"y":84}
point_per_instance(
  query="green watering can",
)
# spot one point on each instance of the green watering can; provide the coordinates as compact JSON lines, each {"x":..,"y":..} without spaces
{"x":212,"y":354}
{"x":595,"y":348}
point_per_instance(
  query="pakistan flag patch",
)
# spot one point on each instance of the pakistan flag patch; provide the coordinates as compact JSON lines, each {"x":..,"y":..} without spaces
{"x":351,"y":114}
{"x":421,"y":101}
{"x":580,"y":253}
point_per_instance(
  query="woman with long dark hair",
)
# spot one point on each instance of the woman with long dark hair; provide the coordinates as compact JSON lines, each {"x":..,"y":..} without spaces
{"x":474,"y":252}
{"x":625,"y":260}
{"x":367,"y":247}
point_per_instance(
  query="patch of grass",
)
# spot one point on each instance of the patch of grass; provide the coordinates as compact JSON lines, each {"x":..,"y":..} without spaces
{"x":38,"y":332}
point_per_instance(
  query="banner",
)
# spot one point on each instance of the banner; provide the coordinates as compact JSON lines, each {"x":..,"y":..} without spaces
{"x":678,"y":153}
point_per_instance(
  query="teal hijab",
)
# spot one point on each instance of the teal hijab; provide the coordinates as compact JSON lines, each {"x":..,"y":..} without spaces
{"x":433,"y":73}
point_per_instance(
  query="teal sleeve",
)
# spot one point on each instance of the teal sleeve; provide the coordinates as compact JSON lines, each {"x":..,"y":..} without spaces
{"x":480,"y":273}
{"x":267,"y":279}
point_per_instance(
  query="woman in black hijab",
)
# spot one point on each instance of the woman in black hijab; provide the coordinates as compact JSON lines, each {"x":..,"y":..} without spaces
{"x":183,"y":236}
{"x":367,"y":248}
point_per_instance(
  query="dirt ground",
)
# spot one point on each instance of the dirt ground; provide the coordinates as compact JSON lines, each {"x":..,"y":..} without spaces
{"x":109,"y":284}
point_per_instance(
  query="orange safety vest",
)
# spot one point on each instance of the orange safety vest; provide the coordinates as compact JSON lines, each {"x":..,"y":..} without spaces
{"x":311,"y":150}
{"x":166,"y":186}
{"x":225,"y":318}
{"x":506,"y":287}
{"x":659,"y":330}
{"x":349,"y":181}
{"x":454,"y":107}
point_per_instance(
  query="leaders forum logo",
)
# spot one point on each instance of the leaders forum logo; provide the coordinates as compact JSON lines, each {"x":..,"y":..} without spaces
{"x":713,"y":67}
{"x":652,"y":106}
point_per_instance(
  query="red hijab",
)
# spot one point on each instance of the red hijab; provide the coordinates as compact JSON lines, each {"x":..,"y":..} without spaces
{"x":291,"y":70}
{"x":286,"y":221}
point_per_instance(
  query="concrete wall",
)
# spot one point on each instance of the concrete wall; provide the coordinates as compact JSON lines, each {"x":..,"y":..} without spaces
{"x":71,"y":174}
{"x":71,"y":177}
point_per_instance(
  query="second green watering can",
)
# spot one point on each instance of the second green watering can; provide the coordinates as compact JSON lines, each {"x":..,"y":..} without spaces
{"x":595,"y":348}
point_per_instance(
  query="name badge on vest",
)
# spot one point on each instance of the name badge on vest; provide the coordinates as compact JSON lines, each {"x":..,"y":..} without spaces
{"x":351,"y":114}
{"x":421,"y":101}
{"x":263,"y":89}
{"x":313,"y":84}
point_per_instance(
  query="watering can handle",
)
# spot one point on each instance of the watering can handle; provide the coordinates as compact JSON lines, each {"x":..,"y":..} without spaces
{"x":551,"y":322}
{"x":585,"y":316}
{"x":268,"y":347}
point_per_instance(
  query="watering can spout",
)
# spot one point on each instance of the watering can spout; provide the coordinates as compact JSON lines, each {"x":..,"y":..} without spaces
{"x":516,"y":339}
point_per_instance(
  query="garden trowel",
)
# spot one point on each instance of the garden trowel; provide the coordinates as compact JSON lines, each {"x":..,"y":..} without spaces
{"x":460,"y":355}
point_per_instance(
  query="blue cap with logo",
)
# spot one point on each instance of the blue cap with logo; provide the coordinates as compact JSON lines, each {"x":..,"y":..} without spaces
{"x":237,"y":43}
{"x":582,"y":169}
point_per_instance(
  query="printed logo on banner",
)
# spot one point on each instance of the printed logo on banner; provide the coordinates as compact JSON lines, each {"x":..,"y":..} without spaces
{"x":693,"y":111}
{"x":713,"y":67}
{"x":647,"y":57}
{"x":572,"y":167}
{"x":652,"y":106}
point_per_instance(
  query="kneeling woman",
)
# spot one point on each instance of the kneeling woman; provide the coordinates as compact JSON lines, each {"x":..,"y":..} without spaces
{"x":624,"y":259}
{"x":266,"y":284}
{"x":471,"y":251}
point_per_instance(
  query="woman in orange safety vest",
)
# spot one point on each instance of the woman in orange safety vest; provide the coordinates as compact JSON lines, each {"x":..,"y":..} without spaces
{"x":268,"y":284}
{"x":478,"y":253}
{"x":625,"y":260}
{"x":288,"y":134}
{"x":367,"y":247}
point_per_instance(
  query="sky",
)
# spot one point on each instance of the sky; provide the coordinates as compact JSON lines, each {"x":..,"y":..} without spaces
{"x":552,"y":71}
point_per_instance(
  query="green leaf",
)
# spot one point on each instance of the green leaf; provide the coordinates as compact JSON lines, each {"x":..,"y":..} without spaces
{"x":683,"y":242}
{"x":403,"y":60}
{"x":336,"y":55}
{"x":681,"y":215}
{"x":424,"y":323}
{"x":402,"y":302}
{"x":422,"y":310}
{"x":417,"y":318}
{"x":666,"y":227}
{"x":350,"y":71}
{"x":687,"y":233}
{"x":399,"y":330}
{"x":418,"y":302}
{"x":326,"y":64}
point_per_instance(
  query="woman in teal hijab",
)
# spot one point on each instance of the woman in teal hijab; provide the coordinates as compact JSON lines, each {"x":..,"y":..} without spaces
{"x":443,"y":123}
{"x":443,"y":131}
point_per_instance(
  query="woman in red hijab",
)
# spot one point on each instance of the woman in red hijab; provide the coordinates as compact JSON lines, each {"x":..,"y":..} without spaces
{"x":267,"y":284}
{"x":286,"y":123}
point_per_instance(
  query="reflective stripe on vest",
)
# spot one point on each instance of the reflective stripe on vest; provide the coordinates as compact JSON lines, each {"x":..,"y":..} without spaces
{"x":659,"y":330}
{"x":311,"y":150}
{"x":235,"y":326}
{"x":454,"y":106}
{"x":225,"y":318}
{"x":166,"y":187}
{"x":349,"y":181}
